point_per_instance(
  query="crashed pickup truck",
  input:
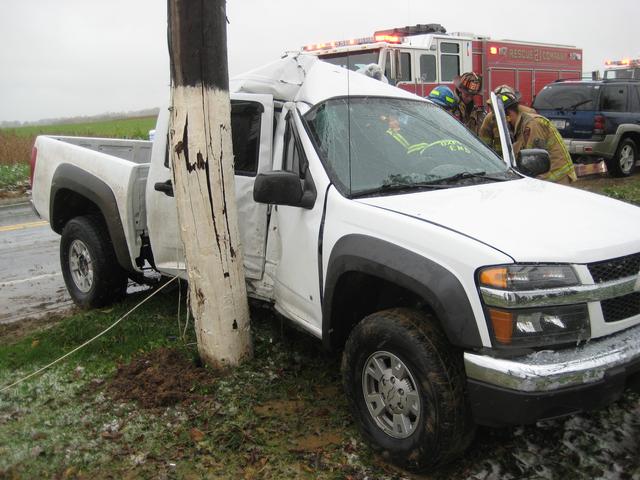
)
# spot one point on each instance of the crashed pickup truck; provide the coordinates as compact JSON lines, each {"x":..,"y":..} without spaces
{"x":460,"y":290}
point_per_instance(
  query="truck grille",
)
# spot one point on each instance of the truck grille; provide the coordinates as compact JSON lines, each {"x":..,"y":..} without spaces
{"x":620,"y":308}
{"x":616,"y":268}
{"x":626,"y":306}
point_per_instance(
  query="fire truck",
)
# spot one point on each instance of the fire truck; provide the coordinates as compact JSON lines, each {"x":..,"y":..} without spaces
{"x":628,"y":69}
{"x":417,"y":58}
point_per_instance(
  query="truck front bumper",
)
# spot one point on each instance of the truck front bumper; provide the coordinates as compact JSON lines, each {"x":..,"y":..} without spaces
{"x":549,"y":384}
{"x":605,"y":148}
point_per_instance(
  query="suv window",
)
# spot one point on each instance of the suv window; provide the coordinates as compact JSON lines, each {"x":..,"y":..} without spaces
{"x":635,"y":100}
{"x":614,"y":98}
{"x":245,"y":133}
{"x":564,"y":96}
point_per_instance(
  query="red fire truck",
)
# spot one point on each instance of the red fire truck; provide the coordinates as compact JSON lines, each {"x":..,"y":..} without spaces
{"x":419,"y":57}
{"x":622,"y":69}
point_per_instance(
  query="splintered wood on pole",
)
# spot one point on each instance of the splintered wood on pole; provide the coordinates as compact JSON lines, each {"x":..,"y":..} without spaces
{"x":202,"y":164}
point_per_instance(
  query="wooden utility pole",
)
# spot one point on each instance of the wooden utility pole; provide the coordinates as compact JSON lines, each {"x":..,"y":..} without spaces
{"x":202,"y":162}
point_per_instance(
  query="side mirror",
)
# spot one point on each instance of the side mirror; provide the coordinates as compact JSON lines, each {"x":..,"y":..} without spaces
{"x":282,"y":187}
{"x":533,"y":162}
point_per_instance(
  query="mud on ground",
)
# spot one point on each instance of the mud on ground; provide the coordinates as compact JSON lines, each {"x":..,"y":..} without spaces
{"x":161,"y":378}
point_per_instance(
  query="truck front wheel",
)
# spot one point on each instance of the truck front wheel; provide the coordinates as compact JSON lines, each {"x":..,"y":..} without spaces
{"x":89,"y":264}
{"x":405,"y":386}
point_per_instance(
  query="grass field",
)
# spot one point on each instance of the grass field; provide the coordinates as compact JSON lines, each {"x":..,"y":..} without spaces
{"x":137,"y":403}
{"x":121,"y":128}
{"x":16,"y":143}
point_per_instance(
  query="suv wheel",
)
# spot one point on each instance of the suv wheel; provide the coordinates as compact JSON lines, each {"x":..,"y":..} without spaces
{"x":621,"y":165}
{"x":405,"y":386}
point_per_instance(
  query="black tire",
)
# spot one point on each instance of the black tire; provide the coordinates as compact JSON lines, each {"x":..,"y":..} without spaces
{"x":443,"y":427}
{"x":623,"y":162}
{"x":89,"y":264}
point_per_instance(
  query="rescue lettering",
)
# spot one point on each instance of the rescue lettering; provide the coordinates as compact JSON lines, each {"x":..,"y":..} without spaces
{"x":536,"y":55}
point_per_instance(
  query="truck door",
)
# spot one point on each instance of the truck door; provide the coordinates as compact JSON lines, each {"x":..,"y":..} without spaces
{"x":297,"y":229}
{"x":252,"y":132}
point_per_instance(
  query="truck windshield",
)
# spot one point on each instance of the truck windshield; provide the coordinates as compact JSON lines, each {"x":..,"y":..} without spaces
{"x":567,"y":96}
{"x":352,"y":60}
{"x":374,"y":144}
{"x":622,"y":74}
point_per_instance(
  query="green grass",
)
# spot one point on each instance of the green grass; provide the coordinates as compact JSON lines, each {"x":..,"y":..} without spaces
{"x":628,"y":193}
{"x":281,"y":415}
{"x":137,"y":128}
{"x":14,"y":176}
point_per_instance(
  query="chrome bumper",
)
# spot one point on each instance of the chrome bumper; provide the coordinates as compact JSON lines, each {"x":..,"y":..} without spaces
{"x":605,"y":148}
{"x":547,"y":371}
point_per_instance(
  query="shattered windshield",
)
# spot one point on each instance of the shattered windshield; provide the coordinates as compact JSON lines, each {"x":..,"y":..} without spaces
{"x":382,"y":145}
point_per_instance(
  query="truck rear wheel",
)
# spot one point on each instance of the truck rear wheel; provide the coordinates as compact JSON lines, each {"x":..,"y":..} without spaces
{"x":405,"y":386}
{"x":89,"y":264}
{"x":623,"y":162}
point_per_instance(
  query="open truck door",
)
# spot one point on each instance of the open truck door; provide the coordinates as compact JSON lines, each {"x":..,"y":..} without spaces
{"x":505,"y":138}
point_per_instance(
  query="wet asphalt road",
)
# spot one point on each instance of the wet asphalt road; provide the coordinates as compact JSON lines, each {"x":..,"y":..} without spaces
{"x":31,"y":284}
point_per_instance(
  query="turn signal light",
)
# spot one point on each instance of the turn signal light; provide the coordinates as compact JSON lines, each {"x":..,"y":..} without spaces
{"x":494,"y":277}
{"x":502,"y":323}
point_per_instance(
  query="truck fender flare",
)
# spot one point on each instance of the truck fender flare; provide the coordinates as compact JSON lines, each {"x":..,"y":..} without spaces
{"x":430,"y":281}
{"x":70,"y":177}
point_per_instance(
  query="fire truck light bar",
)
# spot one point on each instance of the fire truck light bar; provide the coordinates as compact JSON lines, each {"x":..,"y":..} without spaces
{"x":339,"y":43}
{"x":394,"y":35}
{"x":626,"y":62}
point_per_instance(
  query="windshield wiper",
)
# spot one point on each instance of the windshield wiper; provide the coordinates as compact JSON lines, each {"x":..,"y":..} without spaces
{"x":440,"y":183}
{"x":397,"y":187}
{"x":466,"y":175}
{"x":574,"y":106}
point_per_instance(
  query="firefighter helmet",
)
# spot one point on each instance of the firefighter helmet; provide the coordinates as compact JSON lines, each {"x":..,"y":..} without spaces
{"x":509,"y":98}
{"x":507,"y":89}
{"x":469,"y":82}
{"x":443,"y":96}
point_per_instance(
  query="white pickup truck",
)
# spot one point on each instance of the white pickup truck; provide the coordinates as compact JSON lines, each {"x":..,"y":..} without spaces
{"x":459,"y":290}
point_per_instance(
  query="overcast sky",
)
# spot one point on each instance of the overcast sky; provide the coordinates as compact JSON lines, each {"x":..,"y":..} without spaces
{"x":62,"y":58}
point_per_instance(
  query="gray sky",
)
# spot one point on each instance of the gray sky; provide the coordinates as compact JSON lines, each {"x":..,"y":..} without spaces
{"x":62,"y":58}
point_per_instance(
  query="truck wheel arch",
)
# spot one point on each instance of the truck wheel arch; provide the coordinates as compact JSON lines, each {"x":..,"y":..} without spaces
{"x":71,"y":180}
{"x":436,"y":286}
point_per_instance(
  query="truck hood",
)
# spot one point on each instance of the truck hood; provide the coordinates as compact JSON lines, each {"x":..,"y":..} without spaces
{"x":529,"y":220}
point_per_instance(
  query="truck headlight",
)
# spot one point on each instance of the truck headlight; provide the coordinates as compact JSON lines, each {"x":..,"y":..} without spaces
{"x":527,"y":277}
{"x":540,"y":326}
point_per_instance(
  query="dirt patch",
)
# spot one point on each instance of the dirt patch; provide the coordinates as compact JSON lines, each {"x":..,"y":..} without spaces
{"x":280,"y":408}
{"x":13,"y":332}
{"x":18,"y":192}
{"x":160,"y":378}
{"x":318,"y":441}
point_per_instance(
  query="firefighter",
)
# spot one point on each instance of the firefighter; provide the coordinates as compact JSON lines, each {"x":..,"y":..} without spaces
{"x":421,"y":148}
{"x":444,"y":97}
{"x":489,"y":132}
{"x":531,"y":130}
{"x":467,"y":86}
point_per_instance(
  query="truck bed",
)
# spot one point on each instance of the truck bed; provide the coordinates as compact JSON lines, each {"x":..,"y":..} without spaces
{"x":122,"y":165}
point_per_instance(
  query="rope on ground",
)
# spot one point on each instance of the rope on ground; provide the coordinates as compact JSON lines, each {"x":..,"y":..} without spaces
{"x":87,"y":342}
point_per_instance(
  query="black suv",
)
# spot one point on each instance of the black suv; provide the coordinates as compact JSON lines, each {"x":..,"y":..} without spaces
{"x":597,"y":119}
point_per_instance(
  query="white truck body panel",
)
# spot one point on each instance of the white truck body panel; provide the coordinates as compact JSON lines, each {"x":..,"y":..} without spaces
{"x":513,"y":217}
{"x":121,"y":164}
